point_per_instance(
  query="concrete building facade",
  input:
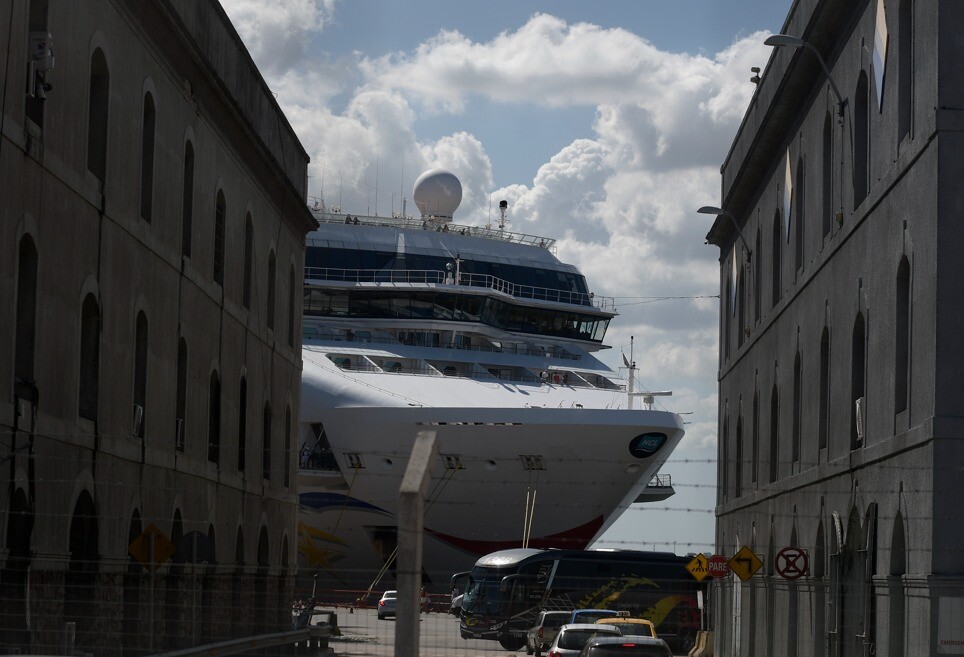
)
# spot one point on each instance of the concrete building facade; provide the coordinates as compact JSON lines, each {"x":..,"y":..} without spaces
{"x":840,"y":394}
{"x":152,"y":197}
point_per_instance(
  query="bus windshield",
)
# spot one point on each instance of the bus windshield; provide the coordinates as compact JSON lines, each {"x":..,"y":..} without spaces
{"x":482,"y":595}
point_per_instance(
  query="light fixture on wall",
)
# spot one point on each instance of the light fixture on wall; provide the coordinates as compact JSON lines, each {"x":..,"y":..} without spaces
{"x":787,"y":41}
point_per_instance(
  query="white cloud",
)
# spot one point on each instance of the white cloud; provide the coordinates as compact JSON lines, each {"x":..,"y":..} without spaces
{"x":277,"y":33}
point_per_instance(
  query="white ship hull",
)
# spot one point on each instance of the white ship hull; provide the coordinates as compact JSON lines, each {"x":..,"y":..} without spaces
{"x":574,"y":461}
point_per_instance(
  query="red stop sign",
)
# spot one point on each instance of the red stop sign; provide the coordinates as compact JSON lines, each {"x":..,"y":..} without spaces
{"x":718,"y":566}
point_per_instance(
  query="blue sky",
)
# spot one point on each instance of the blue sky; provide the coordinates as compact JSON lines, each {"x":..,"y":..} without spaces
{"x":603,"y":124}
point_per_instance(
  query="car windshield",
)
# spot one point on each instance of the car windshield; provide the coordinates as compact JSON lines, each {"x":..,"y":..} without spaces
{"x":576,"y":639}
{"x":554,"y":621}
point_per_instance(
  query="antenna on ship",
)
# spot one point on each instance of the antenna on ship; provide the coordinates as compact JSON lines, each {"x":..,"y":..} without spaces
{"x":649,"y":397}
{"x":503,"y":206}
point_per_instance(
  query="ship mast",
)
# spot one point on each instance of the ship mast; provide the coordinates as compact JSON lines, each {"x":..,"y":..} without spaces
{"x":631,"y":394}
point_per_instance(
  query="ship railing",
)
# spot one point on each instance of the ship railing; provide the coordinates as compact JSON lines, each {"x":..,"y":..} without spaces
{"x":312,"y":333}
{"x":435,"y":277}
{"x":661,"y":481}
{"x":433,"y":224}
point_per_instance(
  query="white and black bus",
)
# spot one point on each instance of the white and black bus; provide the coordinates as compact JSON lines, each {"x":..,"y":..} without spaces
{"x":506,"y":590}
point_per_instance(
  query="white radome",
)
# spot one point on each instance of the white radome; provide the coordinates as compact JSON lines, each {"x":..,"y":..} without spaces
{"x":437,"y":193}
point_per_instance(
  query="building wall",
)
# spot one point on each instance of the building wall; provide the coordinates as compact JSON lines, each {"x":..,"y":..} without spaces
{"x":91,"y":240}
{"x":878,"y":516}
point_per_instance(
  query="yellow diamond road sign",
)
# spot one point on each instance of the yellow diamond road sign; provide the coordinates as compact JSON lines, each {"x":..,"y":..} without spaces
{"x":697,"y":567}
{"x":744,"y":563}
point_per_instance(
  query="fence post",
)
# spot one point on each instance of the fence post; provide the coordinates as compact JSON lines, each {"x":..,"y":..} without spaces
{"x":410,"y":520}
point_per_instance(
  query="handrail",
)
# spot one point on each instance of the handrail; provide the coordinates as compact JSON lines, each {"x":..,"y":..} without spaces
{"x":397,"y":221}
{"x":312,"y":333}
{"x":436,"y":277}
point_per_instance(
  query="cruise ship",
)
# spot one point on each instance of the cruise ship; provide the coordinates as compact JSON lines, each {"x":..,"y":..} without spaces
{"x":483,"y":336}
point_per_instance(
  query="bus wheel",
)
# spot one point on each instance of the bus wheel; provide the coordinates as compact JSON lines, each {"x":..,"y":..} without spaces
{"x":510,"y":642}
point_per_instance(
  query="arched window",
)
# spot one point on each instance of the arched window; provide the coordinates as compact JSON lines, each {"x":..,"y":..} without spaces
{"x":89,"y":358}
{"x":266,"y":443}
{"x":220,"y":215}
{"x":861,"y":172}
{"x":272,"y":266}
{"x":827,"y":205}
{"x":97,"y":110}
{"x":902,"y":337}
{"x":147,"y":158}
{"x":858,"y":379}
{"x":741,"y":327}
{"x":738,"y":473}
{"x":248,"y":255}
{"x":757,"y":276}
{"x":800,"y":202}
{"x":895,"y":588}
{"x":776,"y":263}
{"x":180,"y":410}
{"x":242,"y":422}
{"x":724,"y":455}
{"x":292,"y":318}
{"x":287,"y":439}
{"x":26,"y":309}
{"x":797,"y":407}
{"x":755,"y":452}
{"x":774,"y":434}
{"x":905,"y":68}
{"x":214,"y":418}
{"x":824,"y":388}
{"x":187,"y":200}
{"x":139,"y":415}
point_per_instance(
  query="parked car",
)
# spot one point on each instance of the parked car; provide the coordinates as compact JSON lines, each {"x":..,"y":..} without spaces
{"x":572,"y":637}
{"x":631,"y":626}
{"x":544,"y":631}
{"x":592,"y":615}
{"x":626,"y":646}
{"x":386,"y":606}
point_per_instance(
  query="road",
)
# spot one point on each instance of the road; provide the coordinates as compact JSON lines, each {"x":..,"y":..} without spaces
{"x":366,"y":636}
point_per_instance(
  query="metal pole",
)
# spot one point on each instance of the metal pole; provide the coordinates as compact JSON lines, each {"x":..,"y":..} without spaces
{"x":411,"y":505}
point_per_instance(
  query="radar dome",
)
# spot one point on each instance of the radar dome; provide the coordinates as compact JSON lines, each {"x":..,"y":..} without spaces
{"x":437,"y":193}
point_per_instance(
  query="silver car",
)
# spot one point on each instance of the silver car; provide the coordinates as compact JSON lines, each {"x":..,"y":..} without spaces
{"x":541,"y":634}
{"x":574,"y":636}
{"x":386,"y":606}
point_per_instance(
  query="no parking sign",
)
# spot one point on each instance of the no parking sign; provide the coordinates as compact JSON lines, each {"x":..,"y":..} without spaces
{"x":792,"y":563}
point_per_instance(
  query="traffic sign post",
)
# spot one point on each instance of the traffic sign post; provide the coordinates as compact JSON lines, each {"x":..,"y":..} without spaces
{"x":744,"y":563}
{"x":792,"y":563}
{"x":718,"y":566}
{"x":697,"y":567}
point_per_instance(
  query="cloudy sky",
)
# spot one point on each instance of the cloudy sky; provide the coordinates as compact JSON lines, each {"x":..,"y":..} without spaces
{"x":602,"y":123}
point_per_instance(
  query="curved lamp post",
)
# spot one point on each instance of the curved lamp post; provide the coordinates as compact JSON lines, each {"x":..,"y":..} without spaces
{"x":787,"y":41}
{"x":720,"y":212}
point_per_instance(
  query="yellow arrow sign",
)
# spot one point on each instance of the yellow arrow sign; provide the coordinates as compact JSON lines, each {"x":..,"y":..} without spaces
{"x":697,"y":567}
{"x":744,"y":563}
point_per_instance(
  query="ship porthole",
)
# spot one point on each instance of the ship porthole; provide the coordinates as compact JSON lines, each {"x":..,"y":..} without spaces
{"x":632,"y":468}
{"x":491,"y":465}
{"x":387,"y":464}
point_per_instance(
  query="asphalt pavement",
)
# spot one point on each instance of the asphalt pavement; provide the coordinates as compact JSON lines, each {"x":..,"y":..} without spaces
{"x":363,"y":635}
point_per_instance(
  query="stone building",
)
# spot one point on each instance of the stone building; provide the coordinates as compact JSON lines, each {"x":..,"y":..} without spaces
{"x":152,"y":223}
{"x":840,"y":393}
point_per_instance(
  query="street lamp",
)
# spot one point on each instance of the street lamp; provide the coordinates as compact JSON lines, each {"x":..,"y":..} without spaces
{"x":720,"y":212}
{"x":785,"y":40}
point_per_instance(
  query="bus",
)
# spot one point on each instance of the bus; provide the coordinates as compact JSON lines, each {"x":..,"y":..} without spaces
{"x":506,"y":590}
